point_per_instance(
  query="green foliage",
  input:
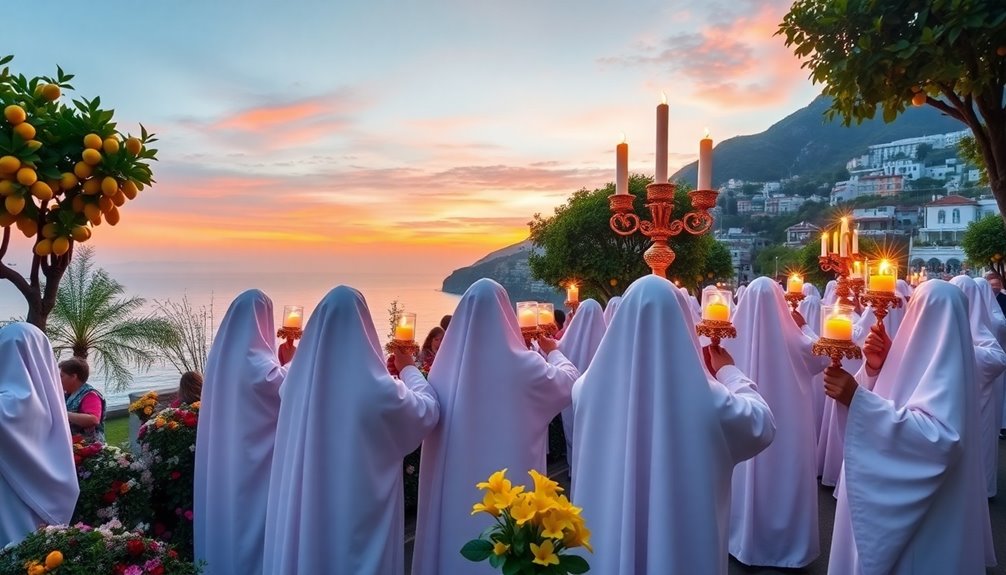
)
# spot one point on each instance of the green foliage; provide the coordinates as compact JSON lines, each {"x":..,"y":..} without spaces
{"x":94,"y":320}
{"x":884,"y":56}
{"x":112,"y":486}
{"x":579,"y":245}
{"x":42,"y":137}
{"x":765,"y":263}
{"x":984,"y":243}
{"x":968,"y":151}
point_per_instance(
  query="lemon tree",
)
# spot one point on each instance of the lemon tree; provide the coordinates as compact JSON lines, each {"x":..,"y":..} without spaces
{"x":65,"y":169}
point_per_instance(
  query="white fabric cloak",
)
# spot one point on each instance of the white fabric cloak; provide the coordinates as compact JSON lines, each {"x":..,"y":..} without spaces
{"x":235,"y":437}
{"x":911,"y":499}
{"x":999,"y":325}
{"x":336,"y":502}
{"x":831,"y":444}
{"x":740,"y":291}
{"x":990,"y":363}
{"x":497,"y":399}
{"x":610,"y":308}
{"x":830,"y":293}
{"x":773,"y":514}
{"x":38,"y":481}
{"x":656,"y":440}
{"x":579,"y":344}
{"x":810,"y":309}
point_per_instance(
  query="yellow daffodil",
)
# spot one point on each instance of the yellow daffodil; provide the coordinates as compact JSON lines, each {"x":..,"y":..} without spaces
{"x":544,"y":554}
{"x":554,"y":522}
{"x":544,"y":485}
{"x":523,"y":510}
{"x":500,"y":548}
{"x":497,"y":483}
{"x":488,"y":505}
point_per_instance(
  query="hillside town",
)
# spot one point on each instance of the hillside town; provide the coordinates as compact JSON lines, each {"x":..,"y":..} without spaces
{"x":914,"y":191}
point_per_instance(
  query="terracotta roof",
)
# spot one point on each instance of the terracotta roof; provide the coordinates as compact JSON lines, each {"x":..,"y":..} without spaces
{"x":953,"y":201}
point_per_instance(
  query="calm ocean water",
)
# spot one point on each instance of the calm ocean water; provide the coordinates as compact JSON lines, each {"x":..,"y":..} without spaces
{"x":419,"y":293}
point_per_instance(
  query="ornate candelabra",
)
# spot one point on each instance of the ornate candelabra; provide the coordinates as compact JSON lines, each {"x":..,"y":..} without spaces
{"x":881,"y":303}
{"x":836,"y":349}
{"x":794,"y":299}
{"x":716,"y":310}
{"x":289,"y":333}
{"x":836,"y":335}
{"x":661,"y":225}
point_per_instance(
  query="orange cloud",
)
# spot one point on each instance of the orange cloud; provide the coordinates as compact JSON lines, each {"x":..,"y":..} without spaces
{"x":268,"y":117}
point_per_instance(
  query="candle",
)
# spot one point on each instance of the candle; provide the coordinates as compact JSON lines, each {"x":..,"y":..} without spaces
{"x":885,"y":278}
{"x":824,"y":244}
{"x":834,"y":241}
{"x":662,"y":112}
{"x":527,"y":318}
{"x":622,"y":167}
{"x":855,"y":241}
{"x":857,"y":270}
{"x":404,"y":333}
{"x":838,"y":327}
{"x":845,"y":227}
{"x":706,"y":163}
{"x":293,"y":318}
{"x":573,"y":293}
{"x":794,"y":284}
{"x":717,"y":311}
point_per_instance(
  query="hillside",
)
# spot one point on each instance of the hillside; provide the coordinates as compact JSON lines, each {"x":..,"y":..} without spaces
{"x":805,"y":144}
{"x":509,"y":267}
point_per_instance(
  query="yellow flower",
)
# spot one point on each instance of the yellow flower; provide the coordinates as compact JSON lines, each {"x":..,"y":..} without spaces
{"x":36,"y":569}
{"x":497,"y":482}
{"x":544,"y":554}
{"x":196,"y":405}
{"x":523,"y":510}
{"x":158,"y":423}
{"x":172,"y":425}
{"x":554,"y":522}
{"x":488,"y":505}
{"x":500,"y":548}
{"x":579,"y":536}
{"x":544,"y":485}
{"x":53,"y":560}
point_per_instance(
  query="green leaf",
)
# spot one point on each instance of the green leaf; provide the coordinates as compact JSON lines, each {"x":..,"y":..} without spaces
{"x":512,"y":566}
{"x":496,"y":560}
{"x":574,"y":564}
{"x":477,"y":550}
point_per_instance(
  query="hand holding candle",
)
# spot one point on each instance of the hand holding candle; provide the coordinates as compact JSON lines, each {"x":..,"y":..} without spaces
{"x":716,"y":306}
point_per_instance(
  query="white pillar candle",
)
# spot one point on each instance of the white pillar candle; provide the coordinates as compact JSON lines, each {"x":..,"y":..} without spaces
{"x":824,"y":244}
{"x":622,"y":167}
{"x":855,"y":241}
{"x":660,"y":176}
{"x":705,"y":163}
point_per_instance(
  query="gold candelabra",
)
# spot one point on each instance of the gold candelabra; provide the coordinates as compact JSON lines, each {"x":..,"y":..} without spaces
{"x":881,"y":302}
{"x":661,"y":226}
{"x":716,"y":330}
{"x":836,"y":349}
{"x":290,"y":333}
{"x":794,"y":299}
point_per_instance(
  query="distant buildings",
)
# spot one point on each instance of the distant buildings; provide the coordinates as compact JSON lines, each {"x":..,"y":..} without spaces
{"x":800,"y":234}
{"x":937,"y":245}
{"x":742,"y":246}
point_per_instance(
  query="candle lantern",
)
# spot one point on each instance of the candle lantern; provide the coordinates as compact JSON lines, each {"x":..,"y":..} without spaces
{"x":880,"y":293}
{"x":546,"y":319}
{"x":527,"y":319}
{"x":716,"y":311}
{"x":794,"y":290}
{"x":404,"y":336}
{"x":572,"y":297}
{"x":293,"y":323}
{"x":836,"y":334}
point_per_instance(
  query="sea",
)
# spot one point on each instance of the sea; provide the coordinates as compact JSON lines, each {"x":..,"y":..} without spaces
{"x":417,"y":292}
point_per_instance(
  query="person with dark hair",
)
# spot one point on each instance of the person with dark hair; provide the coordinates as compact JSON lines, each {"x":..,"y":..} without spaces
{"x":190,"y":387}
{"x":560,"y":318}
{"x":85,"y":406}
{"x":996,"y":282}
{"x":445,"y":321}
{"x":431,"y":345}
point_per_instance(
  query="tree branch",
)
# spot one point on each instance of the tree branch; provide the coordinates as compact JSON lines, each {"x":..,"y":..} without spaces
{"x":5,"y":242}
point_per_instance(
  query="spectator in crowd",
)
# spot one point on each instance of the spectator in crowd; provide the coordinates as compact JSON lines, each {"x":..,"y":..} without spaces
{"x":996,"y":281}
{"x":430,"y":347}
{"x":444,"y":322}
{"x":85,"y":406}
{"x":190,"y":387}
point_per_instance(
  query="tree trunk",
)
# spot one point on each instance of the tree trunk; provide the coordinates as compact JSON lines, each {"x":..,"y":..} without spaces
{"x":80,"y":350}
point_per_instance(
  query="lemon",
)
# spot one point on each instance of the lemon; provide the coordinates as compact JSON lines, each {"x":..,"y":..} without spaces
{"x":26,"y":176}
{"x":68,"y":181}
{"x":42,"y":191}
{"x":9,"y":164}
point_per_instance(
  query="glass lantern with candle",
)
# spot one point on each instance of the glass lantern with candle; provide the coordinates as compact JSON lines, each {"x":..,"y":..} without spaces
{"x":404,"y":336}
{"x":716,"y":311}
{"x":794,"y":290}
{"x":293,"y":322}
{"x":837,"y":323}
{"x":881,"y":292}
{"x":572,"y":296}
{"x":546,"y":318}
{"x":527,"y":320}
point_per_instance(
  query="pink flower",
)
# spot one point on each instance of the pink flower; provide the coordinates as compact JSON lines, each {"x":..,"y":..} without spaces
{"x":188,"y":515}
{"x":133,"y":570}
{"x":151,"y":565}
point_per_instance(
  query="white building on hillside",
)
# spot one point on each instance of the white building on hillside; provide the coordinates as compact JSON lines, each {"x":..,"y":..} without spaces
{"x":937,"y":246}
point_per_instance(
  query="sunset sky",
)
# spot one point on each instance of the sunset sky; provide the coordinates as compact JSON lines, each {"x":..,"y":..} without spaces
{"x":348,"y":129}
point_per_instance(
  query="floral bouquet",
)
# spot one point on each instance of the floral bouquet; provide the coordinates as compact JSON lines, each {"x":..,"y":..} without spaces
{"x":112,"y":486}
{"x":532,"y":528}
{"x":144,"y":407}
{"x":168,"y":445}
{"x":81,"y":550}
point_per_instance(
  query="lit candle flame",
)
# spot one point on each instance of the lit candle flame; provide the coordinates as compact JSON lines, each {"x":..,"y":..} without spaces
{"x":707,"y":134}
{"x":885,"y":267}
{"x":663,"y":98}
{"x":621,"y":137}
{"x":403,"y":321}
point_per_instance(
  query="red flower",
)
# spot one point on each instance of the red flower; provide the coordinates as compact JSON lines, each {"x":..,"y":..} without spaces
{"x":120,"y":569}
{"x":172,"y":553}
{"x":109,"y":497}
{"x":77,"y":460}
{"x":135,"y":547}
{"x":176,"y":474}
{"x":159,"y":570}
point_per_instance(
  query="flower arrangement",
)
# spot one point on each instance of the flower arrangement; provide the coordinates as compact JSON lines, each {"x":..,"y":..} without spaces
{"x":168,"y":447}
{"x":81,"y":550}
{"x":112,"y":485}
{"x":532,"y":528}
{"x":144,"y":407}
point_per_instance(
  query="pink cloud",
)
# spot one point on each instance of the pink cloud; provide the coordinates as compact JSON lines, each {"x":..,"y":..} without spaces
{"x":268,"y":117}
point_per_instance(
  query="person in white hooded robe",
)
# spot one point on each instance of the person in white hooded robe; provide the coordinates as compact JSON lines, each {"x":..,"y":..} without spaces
{"x":810,"y":309}
{"x":579,"y":344}
{"x":336,"y":501}
{"x":990,"y":363}
{"x":773,"y":517}
{"x":998,"y":322}
{"x":497,"y":399}
{"x":911,"y":498}
{"x":610,"y":308}
{"x":235,"y":438}
{"x":38,"y":480}
{"x":656,"y":440}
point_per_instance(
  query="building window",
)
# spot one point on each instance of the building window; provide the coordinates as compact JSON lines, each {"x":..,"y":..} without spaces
{"x":941,"y":217}
{"x":956,"y":216}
